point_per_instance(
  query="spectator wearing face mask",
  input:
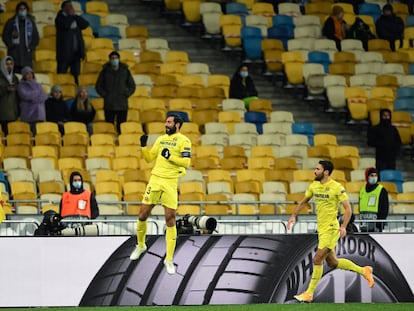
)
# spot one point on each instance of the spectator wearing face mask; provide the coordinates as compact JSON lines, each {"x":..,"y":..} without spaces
{"x":115,"y":84}
{"x":386,"y":140}
{"x":373,"y":201}
{"x":21,"y":37}
{"x":242,"y":86}
{"x":78,"y":202}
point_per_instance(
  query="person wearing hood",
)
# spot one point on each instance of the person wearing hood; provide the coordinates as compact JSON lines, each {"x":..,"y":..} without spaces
{"x":9,"y":100}
{"x":78,"y":202}
{"x":32,"y":99}
{"x":115,"y":84}
{"x":21,"y":37}
{"x":70,"y":46}
{"x":373,"y":201}
{"x":56,"y":108}
{"x":389,"y":26}
{"x":82,"y":109}
{"x":242,"y":86}
{"x":335,"y":27}
{"x":386,"y":140}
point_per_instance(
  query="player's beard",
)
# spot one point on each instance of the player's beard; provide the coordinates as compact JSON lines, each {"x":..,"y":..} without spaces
{"x":319,"y":177}
{"x":170,"y":130}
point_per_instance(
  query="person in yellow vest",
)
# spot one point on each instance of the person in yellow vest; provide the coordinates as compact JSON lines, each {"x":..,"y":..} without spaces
{"x":373,"y":201}
{"x":78,"y":202}
{"x":172,"y":155}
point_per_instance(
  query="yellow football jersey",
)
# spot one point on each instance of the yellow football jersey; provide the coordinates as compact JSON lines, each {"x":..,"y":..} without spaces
{"x":327,"y":197}
{"x":179,"y":147}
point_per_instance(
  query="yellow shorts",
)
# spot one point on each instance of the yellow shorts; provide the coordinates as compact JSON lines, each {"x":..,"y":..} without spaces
{"x":328,"y":239}
{"x":161,"y":191}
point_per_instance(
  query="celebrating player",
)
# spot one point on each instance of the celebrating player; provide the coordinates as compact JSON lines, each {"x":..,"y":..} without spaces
{"x":172,"y":152}
{"x":327,"y":193}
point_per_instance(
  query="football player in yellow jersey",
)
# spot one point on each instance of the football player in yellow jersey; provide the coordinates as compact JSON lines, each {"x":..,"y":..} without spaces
{"x":327,"y":193}
{"x":172,"y":153}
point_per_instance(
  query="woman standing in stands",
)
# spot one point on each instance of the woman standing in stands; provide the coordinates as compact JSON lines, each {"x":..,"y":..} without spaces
{"x":242,"y":86}
{"x":82,"y":109}
{"x":21,"y":37}
{"x":32,"y":99}
{"x":9,"y":101}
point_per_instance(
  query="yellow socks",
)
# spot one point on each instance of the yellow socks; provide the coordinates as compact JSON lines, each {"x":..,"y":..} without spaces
{"x":141,"y":232}
{"x":346,"y":264}
{"x":170,"y":240}
{"x":316,"y":276}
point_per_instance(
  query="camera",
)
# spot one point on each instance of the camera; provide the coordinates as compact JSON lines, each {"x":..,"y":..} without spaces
{"x":51,"y":224}
{"x":189,"y":224}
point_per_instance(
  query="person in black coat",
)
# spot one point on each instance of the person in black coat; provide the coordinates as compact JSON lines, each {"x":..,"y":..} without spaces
{"x":21,"y":37}
{"x":242,"y":86}
{"x":70,"y":47}
{"x":56,"y":108}
{"x":386,"y":140}
{"x":389,"y":26}
{"x":115,"y":84}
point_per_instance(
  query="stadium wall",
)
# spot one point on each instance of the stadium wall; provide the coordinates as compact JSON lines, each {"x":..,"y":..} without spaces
{"x":211,"y":269}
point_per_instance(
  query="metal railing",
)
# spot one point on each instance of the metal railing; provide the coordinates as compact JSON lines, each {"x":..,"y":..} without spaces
{"x":105,"y":227}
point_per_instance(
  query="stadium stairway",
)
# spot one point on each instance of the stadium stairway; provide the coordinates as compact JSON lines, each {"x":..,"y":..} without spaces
{"x":148,"y":13}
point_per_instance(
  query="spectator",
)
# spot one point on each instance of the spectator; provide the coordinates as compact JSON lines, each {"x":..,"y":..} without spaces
{"x":82,"y":109}
{"x":335,"y":28}
{"x":115,"y":84}
{"x":386,"y":140}
{"x":21,"y":37}
{"x":373,"y":202}
{"x":70,"y":47}
{"x":242,"y":86}
{"x":360,"y":30}
{"x":32,"y":99}
{"x":389,"y":26}
{"x":56,"y":108}
{"x":9,"y":100}
{"x":78,"y":202}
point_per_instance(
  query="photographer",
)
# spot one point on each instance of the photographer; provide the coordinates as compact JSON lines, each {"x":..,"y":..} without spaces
{"x":196,"y":225}
{"x":78,"y":203}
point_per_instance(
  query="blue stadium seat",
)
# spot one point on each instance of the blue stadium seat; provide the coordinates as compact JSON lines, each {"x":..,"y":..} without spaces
{"x":371,"y":9}
{"x":394,"y":176}
{"x":403,"y":104}
{"x":4,"y":180}
{"x":304,"y":128}
{"x":256,"y":117}
{"x":283,"y":20}
{"x":319,"y":57}
{"x":236,"y":8}
{"x":182,"y":114}
{"x":405,"y":91}
{"x":92,"y":93}
{"x":411,"y":69}
{"x":94,"y":21}
{"x":252,"y":42}
{"x":283,"y":33}
{"x":111,"y":32}
{"x":409,"y":21}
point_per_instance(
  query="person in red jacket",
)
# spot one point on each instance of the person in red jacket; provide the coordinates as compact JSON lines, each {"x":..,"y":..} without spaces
{"x":78,"y":202}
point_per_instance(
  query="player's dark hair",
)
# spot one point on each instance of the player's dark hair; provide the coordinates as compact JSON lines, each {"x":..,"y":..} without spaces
{"x":327,"y":165}
{"x":177,"y":119}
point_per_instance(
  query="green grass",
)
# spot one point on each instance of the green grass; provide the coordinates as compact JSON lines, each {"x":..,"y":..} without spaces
{"x":257,"y":307}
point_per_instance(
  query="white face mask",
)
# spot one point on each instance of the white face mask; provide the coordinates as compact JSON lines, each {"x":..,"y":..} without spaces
{"x":372,"y":180}
{"x":77,"y":184}
{"x":23,"y":13}
{"x":115,"y":62}
{"x":244,"y":74}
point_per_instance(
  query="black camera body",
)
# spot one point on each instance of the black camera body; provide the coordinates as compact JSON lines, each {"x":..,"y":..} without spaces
{"x":189,"y":224}
{"x":51,"y":224}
